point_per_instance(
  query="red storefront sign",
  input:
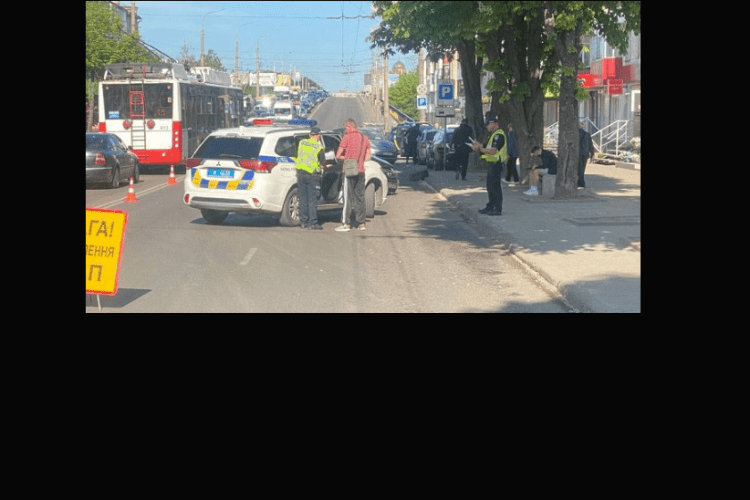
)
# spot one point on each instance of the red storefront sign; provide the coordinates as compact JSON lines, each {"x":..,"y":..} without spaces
{"x":608,"y":72}
{"x":614,"y":86}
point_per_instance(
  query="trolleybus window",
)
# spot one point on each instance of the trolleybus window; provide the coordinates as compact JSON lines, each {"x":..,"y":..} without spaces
{"x":158,"y":98}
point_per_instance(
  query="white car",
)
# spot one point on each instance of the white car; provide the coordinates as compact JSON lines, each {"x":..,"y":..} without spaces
{"x":250,"y":170}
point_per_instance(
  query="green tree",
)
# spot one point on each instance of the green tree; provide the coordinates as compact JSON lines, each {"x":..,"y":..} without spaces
{"x":529,"y":47}
{"x":403,"y":94}
{"x":106,"y":43}
{"x":440,"y":28}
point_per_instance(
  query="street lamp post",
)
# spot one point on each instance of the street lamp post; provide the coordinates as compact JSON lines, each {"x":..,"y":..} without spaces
{"x":257,"y":65}
{"x":202,"y":32}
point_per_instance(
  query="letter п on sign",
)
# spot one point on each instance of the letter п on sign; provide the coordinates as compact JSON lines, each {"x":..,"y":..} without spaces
{"x":105,"y":234}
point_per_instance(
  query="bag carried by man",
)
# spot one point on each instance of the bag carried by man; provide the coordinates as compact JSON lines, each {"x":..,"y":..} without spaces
{"x":351,"y":166}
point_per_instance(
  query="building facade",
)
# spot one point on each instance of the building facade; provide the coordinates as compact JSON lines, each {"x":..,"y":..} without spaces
{"x":613,"y":81}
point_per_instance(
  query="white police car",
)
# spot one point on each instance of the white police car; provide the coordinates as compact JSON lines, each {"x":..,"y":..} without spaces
{"x":250,"y":170}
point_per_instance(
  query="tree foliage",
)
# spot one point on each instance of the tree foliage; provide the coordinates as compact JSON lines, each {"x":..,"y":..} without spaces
{"x":189,"y":60}
{"x":530,"y":48}
{"x":402,"y":93}
{"x":106,"y":43}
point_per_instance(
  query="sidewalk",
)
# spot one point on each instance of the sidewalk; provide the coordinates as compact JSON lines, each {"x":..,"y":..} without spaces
{"x":589,"y":248}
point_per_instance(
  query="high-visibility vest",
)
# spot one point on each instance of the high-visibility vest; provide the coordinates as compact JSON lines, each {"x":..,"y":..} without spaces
{"x":502,"y":154}
{"x":307,"y":156}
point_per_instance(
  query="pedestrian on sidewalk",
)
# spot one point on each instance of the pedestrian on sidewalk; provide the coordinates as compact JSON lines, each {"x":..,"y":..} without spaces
{"x":354,"y":146}
{"x":309,"y":164}
{"x":495,"y":153}
{"x":462,"y":137}
{"x":585,"y":151}
{"x":411,"y":143}
{"x":512,"y":155}
{"x":548,"y":166}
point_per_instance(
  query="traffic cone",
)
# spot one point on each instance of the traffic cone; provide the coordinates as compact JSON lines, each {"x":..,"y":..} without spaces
{"x":131,"y":193}
{"x":171,"y":181}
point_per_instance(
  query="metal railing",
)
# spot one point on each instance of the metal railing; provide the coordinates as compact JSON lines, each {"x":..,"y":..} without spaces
{"x":613,"y":136}
{"x":615,"y":133}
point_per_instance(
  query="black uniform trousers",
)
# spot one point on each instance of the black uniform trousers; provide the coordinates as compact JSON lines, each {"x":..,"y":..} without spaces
{"x":494,"y":188}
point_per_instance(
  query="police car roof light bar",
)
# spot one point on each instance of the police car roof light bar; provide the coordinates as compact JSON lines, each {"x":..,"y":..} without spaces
{"x":276,"y":121}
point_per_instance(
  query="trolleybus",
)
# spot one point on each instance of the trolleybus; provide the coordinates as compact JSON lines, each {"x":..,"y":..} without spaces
{"x":163,"y":112}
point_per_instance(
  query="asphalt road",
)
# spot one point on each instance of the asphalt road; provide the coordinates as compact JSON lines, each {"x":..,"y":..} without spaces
{"x":417,"y":255}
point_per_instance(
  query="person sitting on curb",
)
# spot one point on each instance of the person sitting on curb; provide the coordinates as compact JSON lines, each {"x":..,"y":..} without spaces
{"x":548,"y":166}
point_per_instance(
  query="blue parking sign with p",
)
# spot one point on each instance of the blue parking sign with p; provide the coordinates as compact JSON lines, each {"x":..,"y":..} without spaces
{"x":445,"y":91}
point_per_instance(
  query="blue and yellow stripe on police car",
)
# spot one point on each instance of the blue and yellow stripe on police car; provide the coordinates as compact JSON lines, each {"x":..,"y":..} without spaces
{"x":245,"y":183}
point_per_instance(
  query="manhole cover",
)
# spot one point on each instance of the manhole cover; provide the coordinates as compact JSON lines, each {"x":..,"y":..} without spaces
{"x":623,"y":220}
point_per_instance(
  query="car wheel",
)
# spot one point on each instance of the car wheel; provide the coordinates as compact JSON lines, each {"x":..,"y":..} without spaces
{"x":370,"y":200}
{"x":115,"y":182}
{"x":136,"y":173}
{"x":290,"y":211}
{"x":213,"y":216}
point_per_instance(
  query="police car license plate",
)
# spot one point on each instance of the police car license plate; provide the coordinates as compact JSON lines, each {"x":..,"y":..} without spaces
{"x":220,"y":172}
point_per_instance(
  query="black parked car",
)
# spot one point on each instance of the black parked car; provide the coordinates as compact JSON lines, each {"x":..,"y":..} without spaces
{"x":380,"y":146}
{"x":109,"y":160}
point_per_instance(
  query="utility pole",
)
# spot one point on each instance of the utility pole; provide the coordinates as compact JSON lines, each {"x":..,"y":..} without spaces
{"x":257,"y":70}
{"x":237,"y":60}
{"x":377,"y":82}
{"x":203,"y":32}
{"x":132,"y":18}
{"x":420,"y":68}
{"x":386,"y":84}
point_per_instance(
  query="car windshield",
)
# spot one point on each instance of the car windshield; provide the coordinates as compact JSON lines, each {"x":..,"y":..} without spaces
{"x":440,"y":136}
{"x":230,"y":147}
{"x":95,"y":142}
{"x":373,"y":135}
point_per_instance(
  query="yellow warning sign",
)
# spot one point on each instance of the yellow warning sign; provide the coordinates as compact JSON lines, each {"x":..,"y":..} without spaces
{"x":105,"y":234}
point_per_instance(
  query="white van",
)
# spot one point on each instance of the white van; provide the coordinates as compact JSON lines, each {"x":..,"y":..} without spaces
{"x":284,"y":109}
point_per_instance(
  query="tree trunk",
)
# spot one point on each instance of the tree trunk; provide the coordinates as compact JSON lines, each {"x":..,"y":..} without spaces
{"x":568,"y":143}
{"x":471,"y":69}
{"x":522,"y":74}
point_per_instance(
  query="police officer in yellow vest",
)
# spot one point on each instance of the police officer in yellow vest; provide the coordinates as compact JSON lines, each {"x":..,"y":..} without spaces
{"x":309,"y":163}
{"x":495,"y":153}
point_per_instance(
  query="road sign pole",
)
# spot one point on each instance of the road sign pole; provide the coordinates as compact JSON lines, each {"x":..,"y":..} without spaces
{"x":445,"y":136}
